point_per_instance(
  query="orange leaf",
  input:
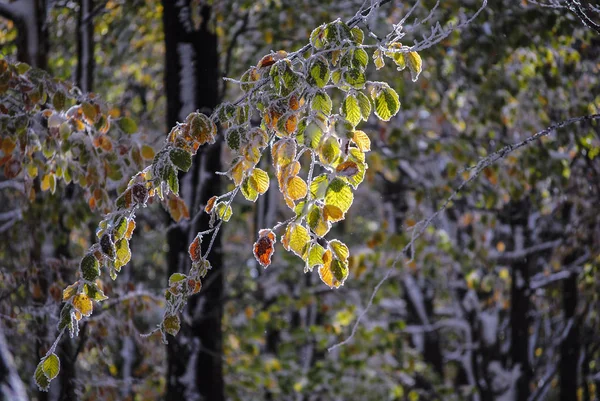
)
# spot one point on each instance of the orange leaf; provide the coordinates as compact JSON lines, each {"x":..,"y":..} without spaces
{"x":264,"y":247}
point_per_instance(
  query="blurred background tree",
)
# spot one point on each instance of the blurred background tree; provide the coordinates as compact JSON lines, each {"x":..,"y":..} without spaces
{"x":496,"y":300}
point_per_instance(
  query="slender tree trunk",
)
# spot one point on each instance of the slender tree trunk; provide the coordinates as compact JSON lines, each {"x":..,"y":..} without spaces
{"x":569,"y":348}
{"x":195,"y":368}
{"x":520,"y":303}
{"x":29,"y":16}
{"x":84,"y":74}
{"x":11,"y":386}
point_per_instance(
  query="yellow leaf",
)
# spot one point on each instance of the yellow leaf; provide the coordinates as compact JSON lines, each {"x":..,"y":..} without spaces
{"x":332,"y":213}
{"x":70,"y":291}
{"x":283,"y":152}
{"x":296,"y":239}
{"x":362,"y":141}
{"x":333,"y":272}
{"x":260,"y":180}
{"x":296,"y":188}
{"x":83,"y":304}
{"x":147,"y":152}
{"x":237,"y":172}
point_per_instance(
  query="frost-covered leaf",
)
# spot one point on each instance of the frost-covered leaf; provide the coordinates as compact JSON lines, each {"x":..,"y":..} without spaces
{"x":51,"y":366}
{"x":90,"y":267}
{"x":362,"y":141}
{"x":181,"y":159}
{"x":40,"y":377}
{"x":321,"y":102}
{"x":83,"y":304}
{"x":415,"y":65}
{"x":202,"y":129}
{"x":224,"y":212}
{"x":339,"y":194}
{"x":318,"y":186}
{"x":296,"y":188}
{"x":264,"y":247}
{"x":248,"y":190}
{"x":172,"y":324}
{"x":315,"y":257}
{"x":296,"y":239}
{"x":319,"y":71}
{"x":386,"y":102}
{"x":364,"y":105}
{"x":333,"y":272}
{"x":347,"y":169}
{"x":350,"y":110}
{"x":260,"y":180}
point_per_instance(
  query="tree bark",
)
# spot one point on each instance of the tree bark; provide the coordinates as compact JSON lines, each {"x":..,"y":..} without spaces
{"x":569,"y":347}
{"x":29,"y":16}
{"x":195,"y":369}
{"x":84,"y":74}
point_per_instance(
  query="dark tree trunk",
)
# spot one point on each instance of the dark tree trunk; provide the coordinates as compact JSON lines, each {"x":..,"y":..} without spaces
{"x":84,"y":74}
{"x":518,"y":213}
{"x":32,"y":31}
{"x":191,"y":77}
{"x":569,"y":348}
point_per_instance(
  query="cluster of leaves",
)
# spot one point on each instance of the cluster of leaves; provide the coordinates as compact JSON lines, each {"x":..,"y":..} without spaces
{"x":62,"y":134}
{"x":290,"y":94}
{"x":111,"y":250}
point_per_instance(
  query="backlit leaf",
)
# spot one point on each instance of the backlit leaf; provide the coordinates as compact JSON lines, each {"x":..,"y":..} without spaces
{"x":339,"y":194}
{"x":362,"y":141}
{"x":224,"y":212}
{"x":40,"y":377}
{"x":296,"y":239}
{"x":315,"y":257}
{"x":83,"y":304}
{"x":248,"y":190}
{"x":296,"y":188}
{"x":260,"y":180}
{"x":332,"y":213}
{"x":386,"y":102}
{"x":321,"y":102}
{"x":51,"y":366}
{"x":319,"y":71}
{"x":350,"y":110}
{"x":415,"y":64}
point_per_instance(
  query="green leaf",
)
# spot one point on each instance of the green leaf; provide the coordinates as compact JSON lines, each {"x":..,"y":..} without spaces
{"x":123,"y":253}
{"x":175,"y":278}
{"x":350,"y":110}
{"x":319,"y":71}
{"x":170,"y":176}
{"x":329,"y":150}
{"x":415,"y":65}
{"x":182,"y":159}
{"x":321,"y":102}
{"x":90,"y":267}
{"x":51,"y":366}
{"x":40,"y":377}
{"x":386,"y":101}
{"x":224,"y":212}
{"x":317,"y":222}
{"x":395,"y":55}
{"x":355,"y":78}
{"x":120,"y":227}
{"x":317,"y":37}
{"x":249,"y":191}
{"x":364,"y":104}
{"x":357,"y":157}
{"x":339,"y":194}
{"x":296,"y":239}
{"x":315,"y":257}
{"x":172,"y":324}
{"x":318,"y":186}
{"x":94,"y":293}
{"x":340,"y":250}
{"x":358,"y":35}
{"x":312,"y":135}
{"x":127,"y":125}
{"x":360,"y":58}
{"x":233,"y":138}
